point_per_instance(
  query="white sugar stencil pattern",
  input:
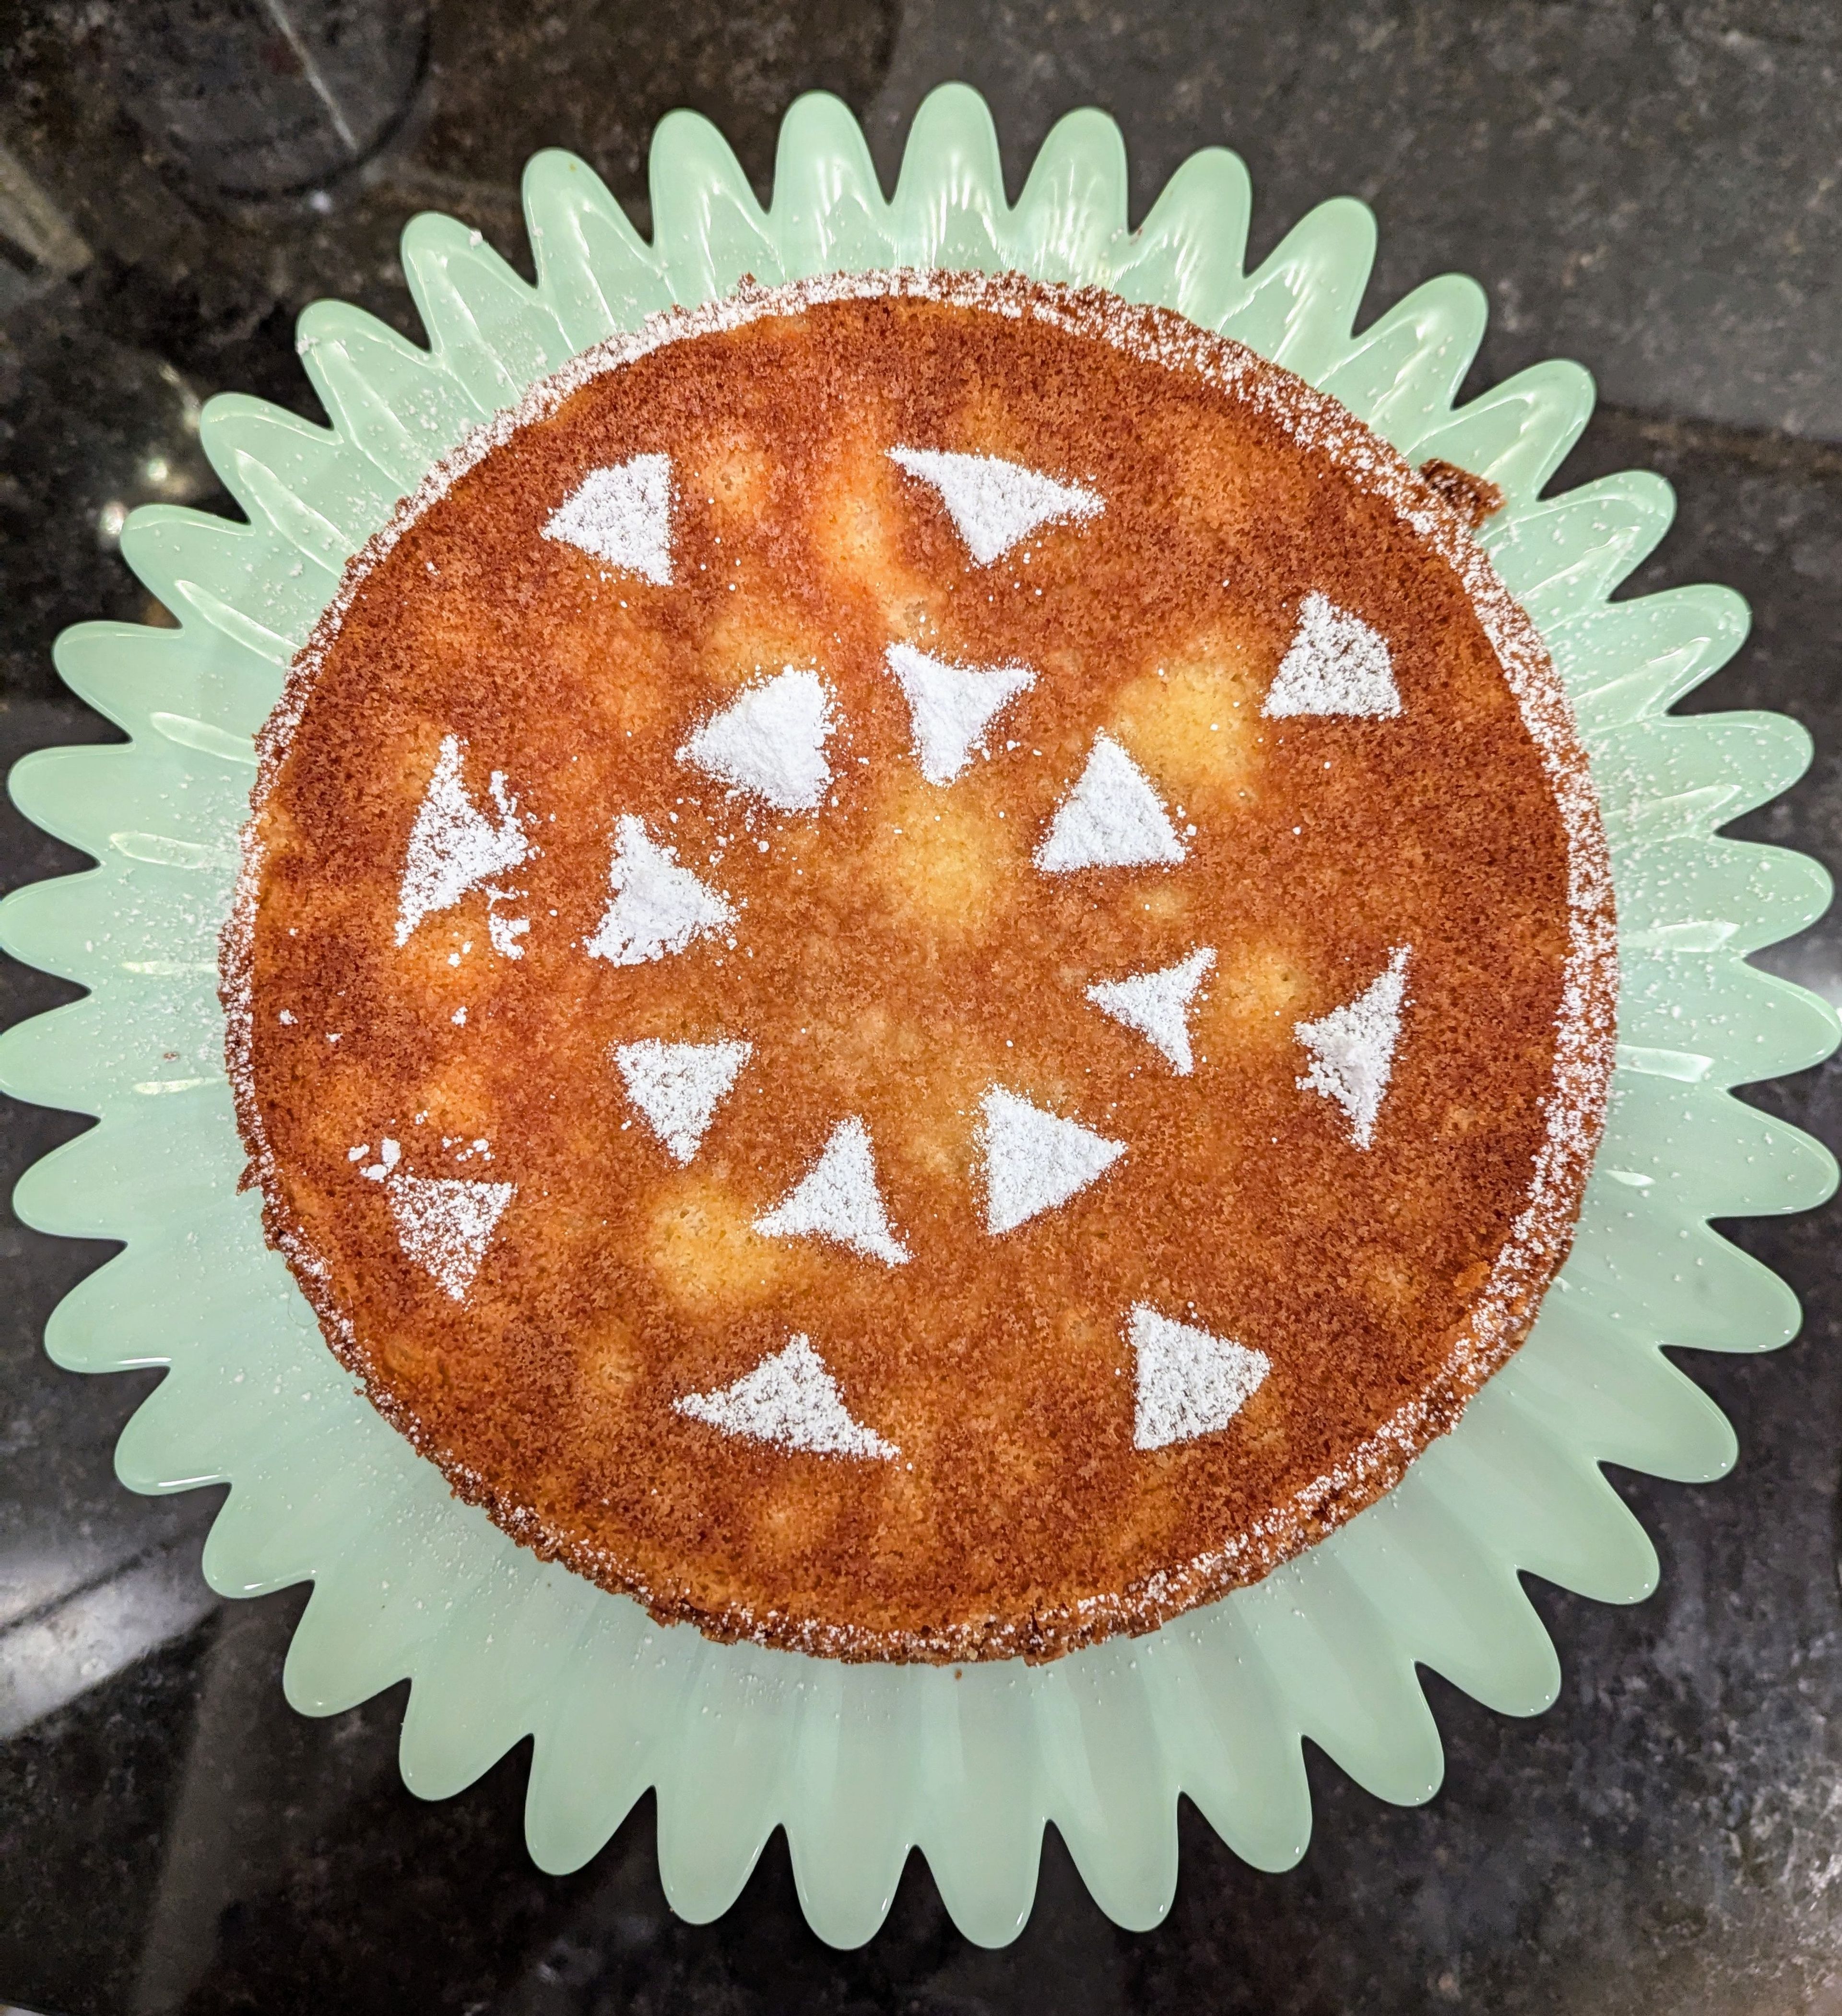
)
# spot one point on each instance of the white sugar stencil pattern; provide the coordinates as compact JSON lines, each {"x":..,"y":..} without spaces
{"x":862,"y":1763}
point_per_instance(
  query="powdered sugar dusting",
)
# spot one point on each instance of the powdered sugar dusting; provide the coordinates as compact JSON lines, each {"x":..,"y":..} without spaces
{"x":1336,"y":664}
{"x":771,"y":741}
{"x":445,"y":1223}
{"x":790,"y":1398}
{"x":1188,"y":1382}
{"x":622,"y":515}
{"x":504,"y":932}
{"x":1035,"y":1159}
{"x":1157,"y":1004}
{"x":657,"y":907}
{"x":1112,"y":819}
{"x":838,"y":1199}
{"x":1353,"y":1048}
{"x":678,"y":1086}
{"x":994,"y":505}
{"x":453,"y":846}
{"x":951,"y":707}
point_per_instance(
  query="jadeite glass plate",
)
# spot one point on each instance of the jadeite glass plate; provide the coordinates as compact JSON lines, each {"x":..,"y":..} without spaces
{"x":859,"y":1763}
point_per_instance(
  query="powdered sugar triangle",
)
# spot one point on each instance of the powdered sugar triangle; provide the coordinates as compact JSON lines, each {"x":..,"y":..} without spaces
{"x":1112,"y":819}
{"x":1157,"y":1004}
{"x":658,"y":907}
{"x":951,"y":707}
{"x":1188,"y":1382}
{"x":1336,"y":664}
{"x":677,"y":1086}
{"x":621,"y":514}
{"x":790,"y":1398}
{"x":453,"y":846}
{"x":994,"y":504}
{"x":1353,"y":1047}
{"x":837,"y":1198}
{"x":771,"y":741}
{"x":445,"y":1225}
{"x":1035,"y":1161}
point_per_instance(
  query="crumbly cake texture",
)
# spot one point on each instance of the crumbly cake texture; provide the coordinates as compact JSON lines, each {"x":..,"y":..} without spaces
{"x":896,"y":1245}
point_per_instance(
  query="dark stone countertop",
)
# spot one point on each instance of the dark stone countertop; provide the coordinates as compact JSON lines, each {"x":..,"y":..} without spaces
{"x":1652,"y":188}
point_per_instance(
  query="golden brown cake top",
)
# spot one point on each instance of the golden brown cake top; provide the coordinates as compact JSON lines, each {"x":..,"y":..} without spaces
{"x":924,"y":968}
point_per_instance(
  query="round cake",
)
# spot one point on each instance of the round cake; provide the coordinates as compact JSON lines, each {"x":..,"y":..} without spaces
{"x":924,"y":967}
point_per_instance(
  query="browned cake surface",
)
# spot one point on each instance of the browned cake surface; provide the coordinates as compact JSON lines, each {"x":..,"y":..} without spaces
{"x":896,"y":953}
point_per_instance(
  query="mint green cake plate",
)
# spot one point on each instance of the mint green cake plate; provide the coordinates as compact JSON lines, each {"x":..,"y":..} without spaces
{"x":861,"y":1763}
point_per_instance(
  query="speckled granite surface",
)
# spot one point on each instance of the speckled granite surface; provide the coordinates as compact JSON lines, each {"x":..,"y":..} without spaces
{"x":1651,"y":188}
